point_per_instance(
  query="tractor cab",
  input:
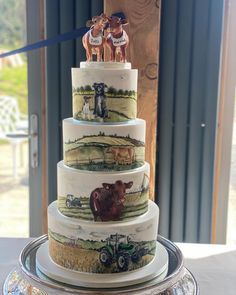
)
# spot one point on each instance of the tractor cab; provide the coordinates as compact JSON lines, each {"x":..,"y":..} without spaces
{"x":119,"y":249}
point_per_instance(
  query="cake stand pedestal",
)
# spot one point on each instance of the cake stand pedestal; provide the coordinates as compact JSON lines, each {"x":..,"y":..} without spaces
{"x":26,"y":279}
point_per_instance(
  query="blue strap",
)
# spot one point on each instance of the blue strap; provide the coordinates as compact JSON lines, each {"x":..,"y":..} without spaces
{"x":48,"y":42}
{"x":54,"y":40}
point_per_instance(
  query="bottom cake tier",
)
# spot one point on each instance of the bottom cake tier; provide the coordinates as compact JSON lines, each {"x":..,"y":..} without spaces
{"x":102,"y":247}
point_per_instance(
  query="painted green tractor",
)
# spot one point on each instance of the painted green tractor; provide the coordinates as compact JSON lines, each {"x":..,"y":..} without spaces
{"x":122,"y":250}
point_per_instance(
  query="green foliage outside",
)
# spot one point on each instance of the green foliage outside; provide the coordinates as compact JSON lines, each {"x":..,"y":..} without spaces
{"x":13,"y":82}
{"x":12,"y":23}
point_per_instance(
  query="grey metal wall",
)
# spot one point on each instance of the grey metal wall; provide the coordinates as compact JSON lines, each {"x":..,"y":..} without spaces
{"x":188,"y":90}
{"x":62,"y":16}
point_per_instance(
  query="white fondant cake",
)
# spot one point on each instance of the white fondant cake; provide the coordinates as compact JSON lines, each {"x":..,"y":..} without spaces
{"x":102,"y":248}
{"x":104,"y":92}
{"x":102,"y":196}
{"x":97,"y":147}
{"x":102,"y":221}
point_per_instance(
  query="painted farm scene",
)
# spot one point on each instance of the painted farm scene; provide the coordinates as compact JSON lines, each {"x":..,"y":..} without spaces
{"x":117,"y":253}
{"x":101,"y":103}
{"x":106,"y":203}
{"x":104,"y":152}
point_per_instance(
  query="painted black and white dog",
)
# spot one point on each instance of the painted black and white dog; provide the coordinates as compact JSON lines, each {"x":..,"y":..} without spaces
{"x":100,"y":107}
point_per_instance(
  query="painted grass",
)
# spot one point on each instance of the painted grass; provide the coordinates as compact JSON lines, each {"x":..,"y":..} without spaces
{"x":136,"y":204}
{"x":90,"y":154}
{"x":103,"y":141}
{"x":120,"y":109}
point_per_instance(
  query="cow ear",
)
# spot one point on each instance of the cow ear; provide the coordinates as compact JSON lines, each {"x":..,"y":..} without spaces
{"x":107,"y":185}
{"x":89,"y":23}
{"x":129,"y":184}
{"x":124,"y":22}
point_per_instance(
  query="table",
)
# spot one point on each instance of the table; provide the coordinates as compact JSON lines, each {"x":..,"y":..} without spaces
{"x":214,"y":266}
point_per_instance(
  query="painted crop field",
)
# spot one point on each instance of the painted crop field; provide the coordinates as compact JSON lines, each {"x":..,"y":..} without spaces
{"x":83,"y":255}
{"x":98,"y":152}
{"x":136,"y":204}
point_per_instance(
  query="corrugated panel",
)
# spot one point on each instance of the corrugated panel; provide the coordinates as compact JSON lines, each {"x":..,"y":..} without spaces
{"x":165,"y":110}
{"x":189,"y":69}
{"x":53,"y":94}
{"x":62,"y":16}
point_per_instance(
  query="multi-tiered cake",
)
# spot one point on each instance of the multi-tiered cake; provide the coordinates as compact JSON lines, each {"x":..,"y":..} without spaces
{"x":103,"y":220}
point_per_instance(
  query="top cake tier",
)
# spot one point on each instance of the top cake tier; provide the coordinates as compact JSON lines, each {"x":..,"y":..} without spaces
{"x":104,"y":92}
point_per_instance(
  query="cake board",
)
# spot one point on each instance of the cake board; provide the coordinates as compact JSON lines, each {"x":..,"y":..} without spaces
{"x":157,"y":269}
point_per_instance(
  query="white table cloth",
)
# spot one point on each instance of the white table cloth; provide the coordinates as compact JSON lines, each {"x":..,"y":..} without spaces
{"x":214,"y":266}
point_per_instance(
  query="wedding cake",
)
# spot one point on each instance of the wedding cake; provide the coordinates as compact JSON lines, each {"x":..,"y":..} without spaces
{"x":103,"y":222}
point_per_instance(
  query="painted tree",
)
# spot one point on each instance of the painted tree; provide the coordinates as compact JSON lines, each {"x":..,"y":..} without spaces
{"x":120,"y":92}
{"x":88,"y":88}
{"x":111,"y":90}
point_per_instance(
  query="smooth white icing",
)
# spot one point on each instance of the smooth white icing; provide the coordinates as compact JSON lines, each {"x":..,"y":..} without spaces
{"x":105,"y":65}
{"x":107,"y":147}
{"x":125,"y":79}
{"x":75,"y":181}
{"x":74,"y":129}
{"x":143,"y":228}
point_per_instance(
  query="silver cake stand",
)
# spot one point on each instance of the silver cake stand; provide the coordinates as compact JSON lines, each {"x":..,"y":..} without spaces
{"x":27,"y":280}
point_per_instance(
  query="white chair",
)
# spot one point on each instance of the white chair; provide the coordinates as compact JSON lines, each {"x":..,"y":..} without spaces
{"x":13,"y":127}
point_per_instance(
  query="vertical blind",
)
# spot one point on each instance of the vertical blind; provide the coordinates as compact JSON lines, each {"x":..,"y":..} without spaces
{"x":190,"y":44}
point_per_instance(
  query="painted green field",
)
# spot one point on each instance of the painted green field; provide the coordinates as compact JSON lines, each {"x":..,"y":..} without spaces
{"x":73,"y":256}
{"x":96,"y":245}
{"x":135,"y":204}
{"x":92,"y":153}
{"x":119,"y":108}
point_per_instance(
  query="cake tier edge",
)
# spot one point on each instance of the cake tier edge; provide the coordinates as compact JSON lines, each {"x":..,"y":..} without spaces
{"x":104,"y":94}
{"x":102,"y":196}
{"x":95,"y":247}
{"x":104,"y":147}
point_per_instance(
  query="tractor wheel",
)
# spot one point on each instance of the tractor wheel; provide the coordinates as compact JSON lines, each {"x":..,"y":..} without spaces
{"x":105,"y":257}
{"x":135,"y":257}
{"x":68,"y":204}
{"x":123,"y":261}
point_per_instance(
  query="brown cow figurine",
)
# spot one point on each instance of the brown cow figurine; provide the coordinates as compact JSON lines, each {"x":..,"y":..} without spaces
{"x":93,"y":40}
{"x":107,"y":202}
{"x":117,"y":39}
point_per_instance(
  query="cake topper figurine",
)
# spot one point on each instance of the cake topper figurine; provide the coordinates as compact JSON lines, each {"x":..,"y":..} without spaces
{"x":117,"y":39}
{"x":93,"y":40}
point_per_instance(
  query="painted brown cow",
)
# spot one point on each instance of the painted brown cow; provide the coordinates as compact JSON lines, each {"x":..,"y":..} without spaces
{"x":122,"y":155}
{"x":107,"y":202}
{"x":93,"y":40}
{"x":117,"y":39}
